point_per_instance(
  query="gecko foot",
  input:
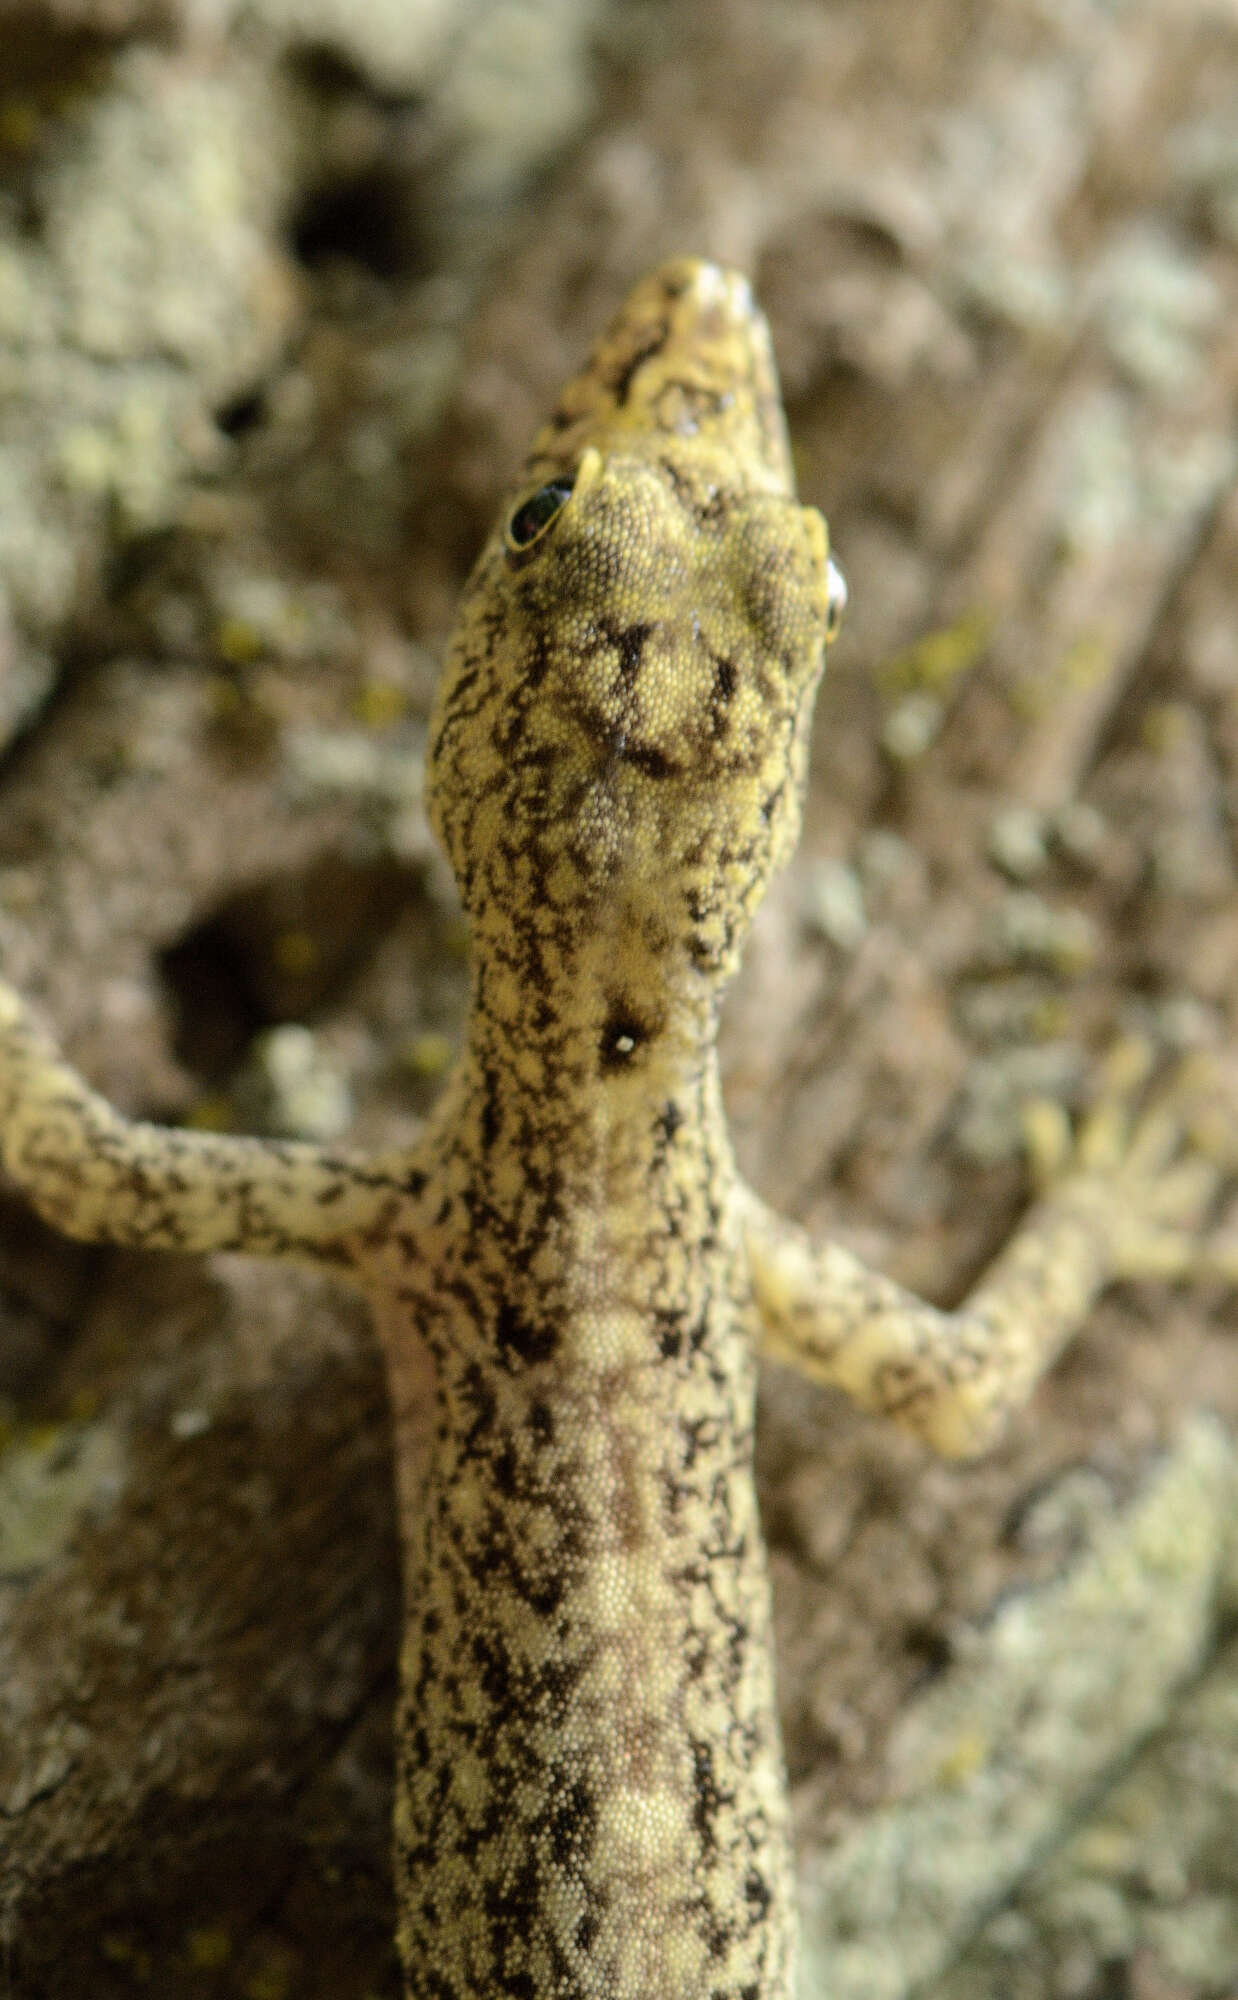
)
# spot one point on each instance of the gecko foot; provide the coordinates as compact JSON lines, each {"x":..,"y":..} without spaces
{"x":1155,"y":1152}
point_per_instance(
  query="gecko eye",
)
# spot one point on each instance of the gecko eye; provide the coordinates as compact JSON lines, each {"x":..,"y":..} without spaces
{"x":534,"y":515}
{"x":835,"y":603}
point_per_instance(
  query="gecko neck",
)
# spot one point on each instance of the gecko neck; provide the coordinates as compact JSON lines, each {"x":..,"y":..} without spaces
{"x":593,"y":1063}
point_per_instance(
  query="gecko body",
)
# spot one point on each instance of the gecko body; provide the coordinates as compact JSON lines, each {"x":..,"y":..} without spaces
{"x":570,"y":1281}
{"x":591,"y":1796}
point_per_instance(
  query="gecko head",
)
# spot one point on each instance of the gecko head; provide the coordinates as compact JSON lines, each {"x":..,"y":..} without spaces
{"x":619,"y":742}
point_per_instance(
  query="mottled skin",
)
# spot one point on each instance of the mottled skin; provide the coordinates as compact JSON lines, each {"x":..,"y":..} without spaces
{"x":566,"y":1269}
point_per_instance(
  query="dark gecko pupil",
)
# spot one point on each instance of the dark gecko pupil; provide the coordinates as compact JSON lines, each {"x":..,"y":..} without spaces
{"x":534,"y":515}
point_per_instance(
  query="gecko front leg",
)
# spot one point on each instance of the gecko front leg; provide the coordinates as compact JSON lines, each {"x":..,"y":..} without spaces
{"x":105,"y":1178}
{"x":1124,"y":1202}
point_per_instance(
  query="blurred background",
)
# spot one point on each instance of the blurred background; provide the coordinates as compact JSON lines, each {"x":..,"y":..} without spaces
{"x":284,"y":288}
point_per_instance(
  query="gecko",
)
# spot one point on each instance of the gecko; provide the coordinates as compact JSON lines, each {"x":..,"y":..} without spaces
{"x":570,"y":1281}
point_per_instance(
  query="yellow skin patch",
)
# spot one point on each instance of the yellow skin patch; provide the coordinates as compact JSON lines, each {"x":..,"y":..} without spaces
{"x":566,"y":1270}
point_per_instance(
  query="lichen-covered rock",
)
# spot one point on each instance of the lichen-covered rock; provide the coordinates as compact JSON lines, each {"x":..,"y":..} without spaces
{"x":141,"y":288}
